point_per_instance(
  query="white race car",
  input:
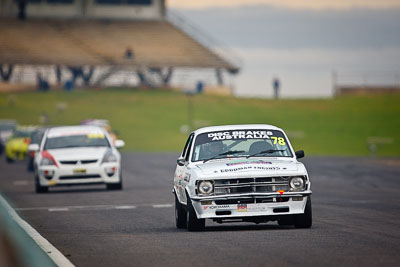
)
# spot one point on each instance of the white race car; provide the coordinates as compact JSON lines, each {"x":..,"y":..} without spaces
{"x":73,"y":155}
{"x":241,"y":173}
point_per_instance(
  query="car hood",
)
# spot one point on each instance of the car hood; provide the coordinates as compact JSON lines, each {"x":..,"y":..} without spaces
{"x":254,"y":166}
{"x":80,"y":153}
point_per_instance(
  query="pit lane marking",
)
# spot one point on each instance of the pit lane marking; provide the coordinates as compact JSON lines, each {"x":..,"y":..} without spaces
{"x":94,"y":207}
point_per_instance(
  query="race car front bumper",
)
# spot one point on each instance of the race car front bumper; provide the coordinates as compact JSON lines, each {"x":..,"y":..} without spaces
{"x":250,"y":205}
{"x":106,"y":173}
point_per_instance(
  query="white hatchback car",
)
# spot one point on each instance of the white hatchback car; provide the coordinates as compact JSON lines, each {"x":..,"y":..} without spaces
{"x":241,"y":173}
{"x":75,"y":155}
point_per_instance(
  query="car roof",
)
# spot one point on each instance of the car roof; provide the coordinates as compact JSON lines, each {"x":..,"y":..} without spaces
{"x":95,"y":122}
{"x":74,"y":129}
{"x":236,"y":127}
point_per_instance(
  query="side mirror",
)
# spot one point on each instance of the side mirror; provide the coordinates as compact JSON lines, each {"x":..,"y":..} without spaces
{"x":119,"y":143}
{"x":180,"y":161}
{"x":299,"y":154}
{"x":33,"y":148}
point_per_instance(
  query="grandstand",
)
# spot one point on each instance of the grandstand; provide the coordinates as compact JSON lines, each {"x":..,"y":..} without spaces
{"x":98,"y":33}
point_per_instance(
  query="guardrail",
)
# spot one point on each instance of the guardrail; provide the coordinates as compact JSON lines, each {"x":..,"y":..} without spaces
{"x":366,"y":78}
{"x":19,"y":248}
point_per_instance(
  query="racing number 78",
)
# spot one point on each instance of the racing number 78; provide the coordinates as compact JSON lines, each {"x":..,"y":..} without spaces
{"x":280,"y":140}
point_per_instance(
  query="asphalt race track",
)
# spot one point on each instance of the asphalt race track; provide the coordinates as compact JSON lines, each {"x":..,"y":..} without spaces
{"x":356,"y":210}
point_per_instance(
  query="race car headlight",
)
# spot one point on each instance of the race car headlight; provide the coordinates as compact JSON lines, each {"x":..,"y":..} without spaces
{"x":47,"y":159}
{"x":47,"y":162}
{"x":206,"y":187}
{"x":297,"y":183}
{"x":109,"y":157}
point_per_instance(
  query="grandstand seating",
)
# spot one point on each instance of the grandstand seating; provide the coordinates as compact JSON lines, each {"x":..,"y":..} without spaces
{"x":101,"y":42}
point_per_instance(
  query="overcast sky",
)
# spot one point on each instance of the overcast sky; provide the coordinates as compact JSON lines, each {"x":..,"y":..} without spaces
{"x":303,"y":42}
{"x":277,"y":27}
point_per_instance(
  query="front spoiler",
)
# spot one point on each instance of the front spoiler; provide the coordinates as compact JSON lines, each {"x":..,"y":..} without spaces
{"x":252,"y":195}
{"x":269,"y":209}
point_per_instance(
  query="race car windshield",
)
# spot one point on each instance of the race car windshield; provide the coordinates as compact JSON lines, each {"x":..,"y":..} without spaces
{"x":254,"y":143}
{"x":69,"y":141}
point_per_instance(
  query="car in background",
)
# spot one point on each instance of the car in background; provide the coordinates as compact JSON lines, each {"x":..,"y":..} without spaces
{"x":101,"y":123}
{"x":7,"y":128}
{"x":240,"y":173}
{"x":36,"y":138}
{"x":77,"y":155}
{"x":17,"y":146}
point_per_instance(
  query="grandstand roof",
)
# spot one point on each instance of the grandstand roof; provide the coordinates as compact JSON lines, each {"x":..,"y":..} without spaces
{"x":95,"y":42}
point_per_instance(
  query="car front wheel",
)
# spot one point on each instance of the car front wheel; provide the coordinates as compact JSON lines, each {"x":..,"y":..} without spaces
{"x":304,"y":220}
{"x":180,"y":214}
{"x":39,"y":188}
{"x":192,"y":222}
{"x":116,"y":186}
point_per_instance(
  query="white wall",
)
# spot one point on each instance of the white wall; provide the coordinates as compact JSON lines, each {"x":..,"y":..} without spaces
{"x":125,"y":11}
{"x":86,"y":9}
{"x":45,"y":9}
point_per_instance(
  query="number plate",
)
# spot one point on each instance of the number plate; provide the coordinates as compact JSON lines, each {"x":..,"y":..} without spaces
{"x":79,"y":170}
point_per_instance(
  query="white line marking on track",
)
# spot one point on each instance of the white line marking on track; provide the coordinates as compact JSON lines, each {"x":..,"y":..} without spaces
{"x":58,"y":209}
{"x":58,"y":258}
{"x":86,"y":207}
{"x":162,"y":206}
{"x":95,"y":207}
{"x":21,"y":183}
{"x":126,"y":207}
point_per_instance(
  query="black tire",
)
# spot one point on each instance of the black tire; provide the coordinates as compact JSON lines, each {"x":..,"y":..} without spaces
{"x":116,"y":186}
{"x":192,"y":222}
{"x":9,"y":160}
{"x":286,"y":220}
{"x":39,"y":188}
{"x":180,"y":214}
{"x":304,"y":220}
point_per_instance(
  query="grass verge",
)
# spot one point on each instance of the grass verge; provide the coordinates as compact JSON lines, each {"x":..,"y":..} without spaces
{"x":152,"y":120}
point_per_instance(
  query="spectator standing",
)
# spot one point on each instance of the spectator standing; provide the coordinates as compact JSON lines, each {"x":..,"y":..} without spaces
{"x":69,"y":85}
{"x":21,"y":9}
{"x":276,"y":85}
{"x":129,"y":53}
{"x":43,"y":84}
{"x":199,"y":87}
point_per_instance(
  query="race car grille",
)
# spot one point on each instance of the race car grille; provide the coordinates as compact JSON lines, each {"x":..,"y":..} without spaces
{"x":250,"y":200}
{"x":73,"y":162}
{"x":81,"y":176}
{"x":69,"y":162}
{"x":251,"y":185}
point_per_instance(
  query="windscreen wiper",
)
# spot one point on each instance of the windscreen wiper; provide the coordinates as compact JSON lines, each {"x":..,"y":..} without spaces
{"x":269,"y":151}
{"x":231,"y":152}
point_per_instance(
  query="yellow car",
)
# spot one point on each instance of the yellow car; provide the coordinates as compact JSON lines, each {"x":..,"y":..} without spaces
{"x":17,"y":146}
{"x":101,"y":123}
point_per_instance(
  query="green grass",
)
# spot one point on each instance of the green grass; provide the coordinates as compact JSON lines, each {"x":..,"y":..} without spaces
{"x":151,"y":120}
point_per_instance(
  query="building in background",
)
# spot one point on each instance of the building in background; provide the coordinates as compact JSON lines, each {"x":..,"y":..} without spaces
{"x":106,"y":42}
